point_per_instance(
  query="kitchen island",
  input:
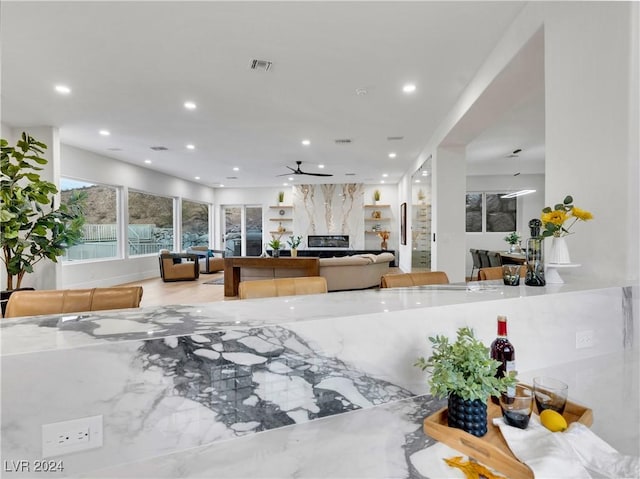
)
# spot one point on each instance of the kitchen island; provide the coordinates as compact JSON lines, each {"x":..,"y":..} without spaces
{"x":308,"y":386}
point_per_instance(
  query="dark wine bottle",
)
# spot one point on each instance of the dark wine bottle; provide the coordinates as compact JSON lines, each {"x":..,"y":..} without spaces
{"x":503,"y":351}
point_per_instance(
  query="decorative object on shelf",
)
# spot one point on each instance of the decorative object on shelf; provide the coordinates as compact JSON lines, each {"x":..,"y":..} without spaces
{"x":553,"y":222}
{"x":384,"y":236}
{"x":421,"y":196}
{"x":514,"y":242}
{"x":464,"y":372}
{"x":376,"y":197}
{"x":275,"y":244}
{"x":403,"y":223}
{"x":294,"y":243}
{"x":32,"y":229}
{"x":281,"y":229}
{"x":377,"y":214}
{"x":280,"y":197}
{"x":281,"y":212}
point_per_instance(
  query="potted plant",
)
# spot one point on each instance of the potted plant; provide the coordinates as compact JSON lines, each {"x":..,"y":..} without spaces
{"x":376,"y":196}
{"x":464,"y":372}
{"x":514,"y":241}
{"x":31,"y":227}
{"x":280,"y":197}
{"x":294,"y":242}
{"x":275,"y":244}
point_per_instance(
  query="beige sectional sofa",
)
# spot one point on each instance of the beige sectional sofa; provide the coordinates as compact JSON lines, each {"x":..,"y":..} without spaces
{"x":358,"y":271}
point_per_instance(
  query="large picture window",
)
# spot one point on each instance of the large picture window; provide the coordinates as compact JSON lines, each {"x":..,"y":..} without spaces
{"x":490,"y":213}
{"x":195,"y":224}
{"x":100,"y":235}
{"x":150,"y":227}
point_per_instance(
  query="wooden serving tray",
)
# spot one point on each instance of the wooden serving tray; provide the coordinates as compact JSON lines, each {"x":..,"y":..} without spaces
{"x":491,"y":449}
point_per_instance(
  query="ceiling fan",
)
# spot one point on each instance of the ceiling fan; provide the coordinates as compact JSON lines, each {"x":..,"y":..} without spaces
{"x":298,"y":171}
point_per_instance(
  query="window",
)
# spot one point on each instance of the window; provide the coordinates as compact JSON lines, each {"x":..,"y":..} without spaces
{"x":195,"y":224}
{"x":490,"y":213}
{"x":100,"y":237}
{"x":150,"y":227}
{"x":242,"y":230}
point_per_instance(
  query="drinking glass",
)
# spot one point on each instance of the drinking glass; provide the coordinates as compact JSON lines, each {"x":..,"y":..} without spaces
{"x":511,"y":274}
{"x":517,"y":406}
{"x":550,"y":393}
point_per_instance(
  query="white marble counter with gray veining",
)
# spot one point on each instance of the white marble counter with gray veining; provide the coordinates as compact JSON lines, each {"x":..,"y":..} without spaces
{"x":167,"y":380}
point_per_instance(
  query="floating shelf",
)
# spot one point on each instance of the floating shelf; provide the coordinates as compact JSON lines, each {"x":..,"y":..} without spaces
{"x":279,"y":232}
{"x":283,"y":206}
{"x":280,"y":219}
{"x":377,"y":219}
{"x":377,"y":206}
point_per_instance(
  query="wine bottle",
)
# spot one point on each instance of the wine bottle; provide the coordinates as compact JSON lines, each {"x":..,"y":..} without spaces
{"x":503,"y":351}
{"x":535,"y":259}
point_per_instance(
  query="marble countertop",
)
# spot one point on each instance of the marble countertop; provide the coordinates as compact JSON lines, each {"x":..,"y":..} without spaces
{"x":387,"y":440}
{"x":67,"y":331}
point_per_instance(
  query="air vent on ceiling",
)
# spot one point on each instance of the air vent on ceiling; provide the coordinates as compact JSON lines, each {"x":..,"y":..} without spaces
{"x":263,"y":65}
{"x":232,"y":177}
{"x":343,"y":141}
{"x":159,"y":148}
{"x":395,"y":138}
{"x":114,"y":149}
{"x":349,"y":174}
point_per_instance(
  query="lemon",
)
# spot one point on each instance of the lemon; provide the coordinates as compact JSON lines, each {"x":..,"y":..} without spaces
{"x":553,"y":420}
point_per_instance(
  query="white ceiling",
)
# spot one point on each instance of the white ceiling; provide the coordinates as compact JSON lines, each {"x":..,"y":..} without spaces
{"x":132,"y":65}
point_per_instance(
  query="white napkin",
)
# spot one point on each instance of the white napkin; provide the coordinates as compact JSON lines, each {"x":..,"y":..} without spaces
{"x":569,"y":454}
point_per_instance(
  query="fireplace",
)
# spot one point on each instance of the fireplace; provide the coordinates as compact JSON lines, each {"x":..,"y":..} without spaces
{"x":328,"y":241}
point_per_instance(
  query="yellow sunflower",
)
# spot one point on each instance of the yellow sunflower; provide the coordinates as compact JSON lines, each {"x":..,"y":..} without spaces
{"x":557,"y":217}
{"x":581,"y":214}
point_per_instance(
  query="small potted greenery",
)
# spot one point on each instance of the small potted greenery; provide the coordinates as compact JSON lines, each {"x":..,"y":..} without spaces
{"x":464,"y":373}
{"x":514,"y":241}
{"x":294,"y":243}
{"x":275,"y":244}
{"x":280,"y":197}
{"x":376,"y":196}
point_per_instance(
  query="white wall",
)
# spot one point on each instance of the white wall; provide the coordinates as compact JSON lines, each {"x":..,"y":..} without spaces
{"x":591,"y":85}
{"x":84,"y":165}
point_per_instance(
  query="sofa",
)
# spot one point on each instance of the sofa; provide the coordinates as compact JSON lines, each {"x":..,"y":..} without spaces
{"x":358,"y":271}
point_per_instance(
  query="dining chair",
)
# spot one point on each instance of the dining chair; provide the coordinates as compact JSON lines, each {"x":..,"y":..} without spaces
{"x":494,"y":258}
{"x":267,"y":288}
{"x":494,"y":273}
{"x":403,"y":280}
{"x":484,"y":258}
{"x":477,"y":264}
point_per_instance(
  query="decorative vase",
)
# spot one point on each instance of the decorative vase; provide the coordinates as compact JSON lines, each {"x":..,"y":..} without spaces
{"x":470,"y":416}
{"x":383,"y":245}
{"x":276,"y":253}
{"x":559,"y":252}
{"x":294,"y":253}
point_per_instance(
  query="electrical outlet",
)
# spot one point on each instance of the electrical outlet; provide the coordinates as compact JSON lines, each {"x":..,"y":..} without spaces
{"x":71,"y":436}
{"x":584,"y":339}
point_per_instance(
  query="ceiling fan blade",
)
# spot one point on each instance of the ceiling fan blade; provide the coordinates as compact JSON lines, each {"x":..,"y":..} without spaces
{"x":316,"y":174}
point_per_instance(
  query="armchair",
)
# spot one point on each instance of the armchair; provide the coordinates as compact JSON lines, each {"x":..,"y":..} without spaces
{"x":208,"y":262}
{"x":173,"y":268}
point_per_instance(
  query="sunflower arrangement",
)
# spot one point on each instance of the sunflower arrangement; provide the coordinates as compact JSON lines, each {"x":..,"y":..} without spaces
{"x":553,"y":219}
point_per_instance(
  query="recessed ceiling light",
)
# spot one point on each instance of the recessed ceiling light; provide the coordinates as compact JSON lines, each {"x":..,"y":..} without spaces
{"x":197,"y":177}
{"x":191,"y":147}
{"x":235,"y":168}
{"x":382,"y":181}
{"x":189,"y":105}
{"x":361,"y":91}
{"x":409,"y":88}
{"x":384,"y":175}
{"x":290,"y":178}
{"x":392,"y":155}
{"x":306,"y":142}
{"x":425,"y":173}
{"x":417,"y":181}
{"x":63,"y":89}
{"x":320,"y":166}
{"x":104,"y":132}
{"x":148,"y":162}
{"x":285,"y":184}
{"x":221,"y":185}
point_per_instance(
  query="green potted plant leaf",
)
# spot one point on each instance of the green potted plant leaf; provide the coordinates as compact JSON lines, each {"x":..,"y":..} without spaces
{"x":376,"y":196}
{"x":294,"y":243}
{"x":280,"y":197}
{"x":464,"y":373}
{"x":275,"y":244}
{"x":32,"y":229}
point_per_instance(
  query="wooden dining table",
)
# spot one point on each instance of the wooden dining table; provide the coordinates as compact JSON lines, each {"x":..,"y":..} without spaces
{"x":512,"y":258}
